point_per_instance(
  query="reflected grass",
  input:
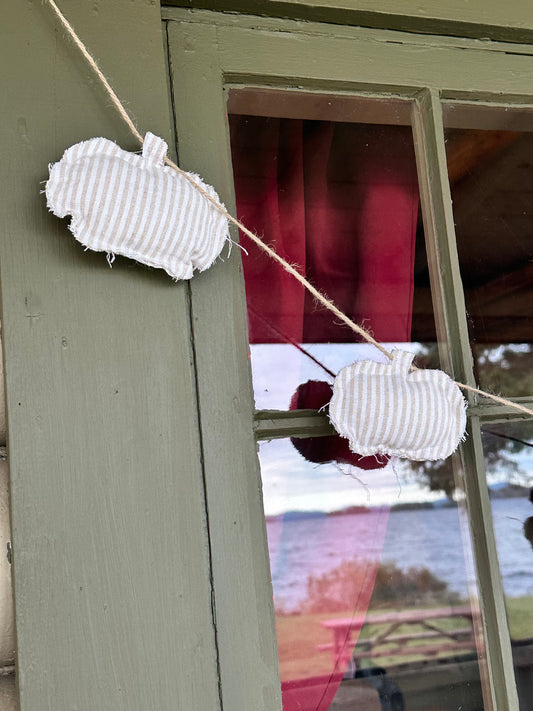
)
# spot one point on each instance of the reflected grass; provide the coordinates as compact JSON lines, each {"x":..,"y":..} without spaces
{"x":299,"y":635}
{"x":520,"y":617}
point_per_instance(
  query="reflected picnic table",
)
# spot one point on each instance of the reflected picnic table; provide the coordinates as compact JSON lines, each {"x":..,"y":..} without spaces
{"x":434,"y":639}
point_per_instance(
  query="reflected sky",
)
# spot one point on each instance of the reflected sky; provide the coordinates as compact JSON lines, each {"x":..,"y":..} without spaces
{"x":279,"y":368}
{"x":291,"y":483}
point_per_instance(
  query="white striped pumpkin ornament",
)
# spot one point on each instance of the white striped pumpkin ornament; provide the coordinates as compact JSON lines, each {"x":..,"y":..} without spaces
{"x":385,"y":408}
{"x":136,"y":206}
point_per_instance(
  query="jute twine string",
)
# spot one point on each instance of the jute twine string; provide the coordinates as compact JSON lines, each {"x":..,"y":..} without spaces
{"x":321,"y":298}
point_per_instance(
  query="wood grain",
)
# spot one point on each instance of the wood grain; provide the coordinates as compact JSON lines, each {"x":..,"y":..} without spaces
{"x":111,"y":558}
{"x":242,"y":589}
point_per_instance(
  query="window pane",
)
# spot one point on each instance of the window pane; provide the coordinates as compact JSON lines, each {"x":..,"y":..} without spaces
{"x":352,"y":539}
{"x":508,"y":449}
{"x":367,"y":566}
{"x":490,"y":159}
{"x":340,"y":200}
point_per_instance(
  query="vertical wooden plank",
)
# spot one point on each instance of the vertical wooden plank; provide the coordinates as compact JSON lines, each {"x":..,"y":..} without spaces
{"x":7,"y":615}
{"x":454,"y":347}
{"x":111,"y":560}
{"x":243,"y":594}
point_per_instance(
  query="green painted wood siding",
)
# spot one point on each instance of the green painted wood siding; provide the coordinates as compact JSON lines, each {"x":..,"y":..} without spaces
{"x":241,"y":578}
{"x":111,"y":555}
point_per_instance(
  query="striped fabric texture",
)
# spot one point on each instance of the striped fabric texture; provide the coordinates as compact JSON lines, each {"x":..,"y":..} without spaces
{"x":136,"y":206}
{"x":383,"y":408}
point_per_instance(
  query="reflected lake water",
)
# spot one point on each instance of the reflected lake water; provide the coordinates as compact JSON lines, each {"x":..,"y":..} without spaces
{"x":302,"y":545}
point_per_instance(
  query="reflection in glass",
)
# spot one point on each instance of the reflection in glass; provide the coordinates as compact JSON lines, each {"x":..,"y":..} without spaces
{"x":370,"y":587}
{"x":491,"y":179}
{"x":340,"y":200}
{"x":364,"y":565}
{"x":508,"y":450}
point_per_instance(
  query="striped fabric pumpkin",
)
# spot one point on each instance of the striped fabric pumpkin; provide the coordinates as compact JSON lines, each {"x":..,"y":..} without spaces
{"x":136,"y":206}
{"x":384,"y":408}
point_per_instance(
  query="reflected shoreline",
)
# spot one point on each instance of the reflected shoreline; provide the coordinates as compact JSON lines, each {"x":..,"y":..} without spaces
{"x":504,"y":491}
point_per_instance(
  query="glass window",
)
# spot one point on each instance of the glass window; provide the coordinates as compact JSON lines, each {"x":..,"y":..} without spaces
{"x":508,"y":452}
{"x":340,"y":200}
{"x":490,"y":166}
{"x":490,"y":157}
{"x":369,"y":575}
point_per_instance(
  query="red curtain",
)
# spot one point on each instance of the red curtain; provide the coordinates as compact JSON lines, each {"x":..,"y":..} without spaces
{"x":340,"y":201}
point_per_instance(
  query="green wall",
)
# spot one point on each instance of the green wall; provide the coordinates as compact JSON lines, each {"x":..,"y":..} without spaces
{"x":111,"y":557}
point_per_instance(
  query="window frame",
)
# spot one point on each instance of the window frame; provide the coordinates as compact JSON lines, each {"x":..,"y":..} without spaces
{"x":209,"y":53}
{"x":487,"y":19}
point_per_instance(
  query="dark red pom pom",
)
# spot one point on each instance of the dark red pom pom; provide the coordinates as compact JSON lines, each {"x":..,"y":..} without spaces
{"x":314,"y":395}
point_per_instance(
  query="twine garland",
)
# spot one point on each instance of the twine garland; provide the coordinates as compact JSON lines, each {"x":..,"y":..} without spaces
{"x":324,"y":300}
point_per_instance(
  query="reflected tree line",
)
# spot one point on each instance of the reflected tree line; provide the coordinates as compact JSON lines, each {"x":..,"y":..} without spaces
{"x":505,"y":370}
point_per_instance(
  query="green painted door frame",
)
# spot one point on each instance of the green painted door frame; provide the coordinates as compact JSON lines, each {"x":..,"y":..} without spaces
{"x":210,"y":54}
{"x":479,"y":19}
